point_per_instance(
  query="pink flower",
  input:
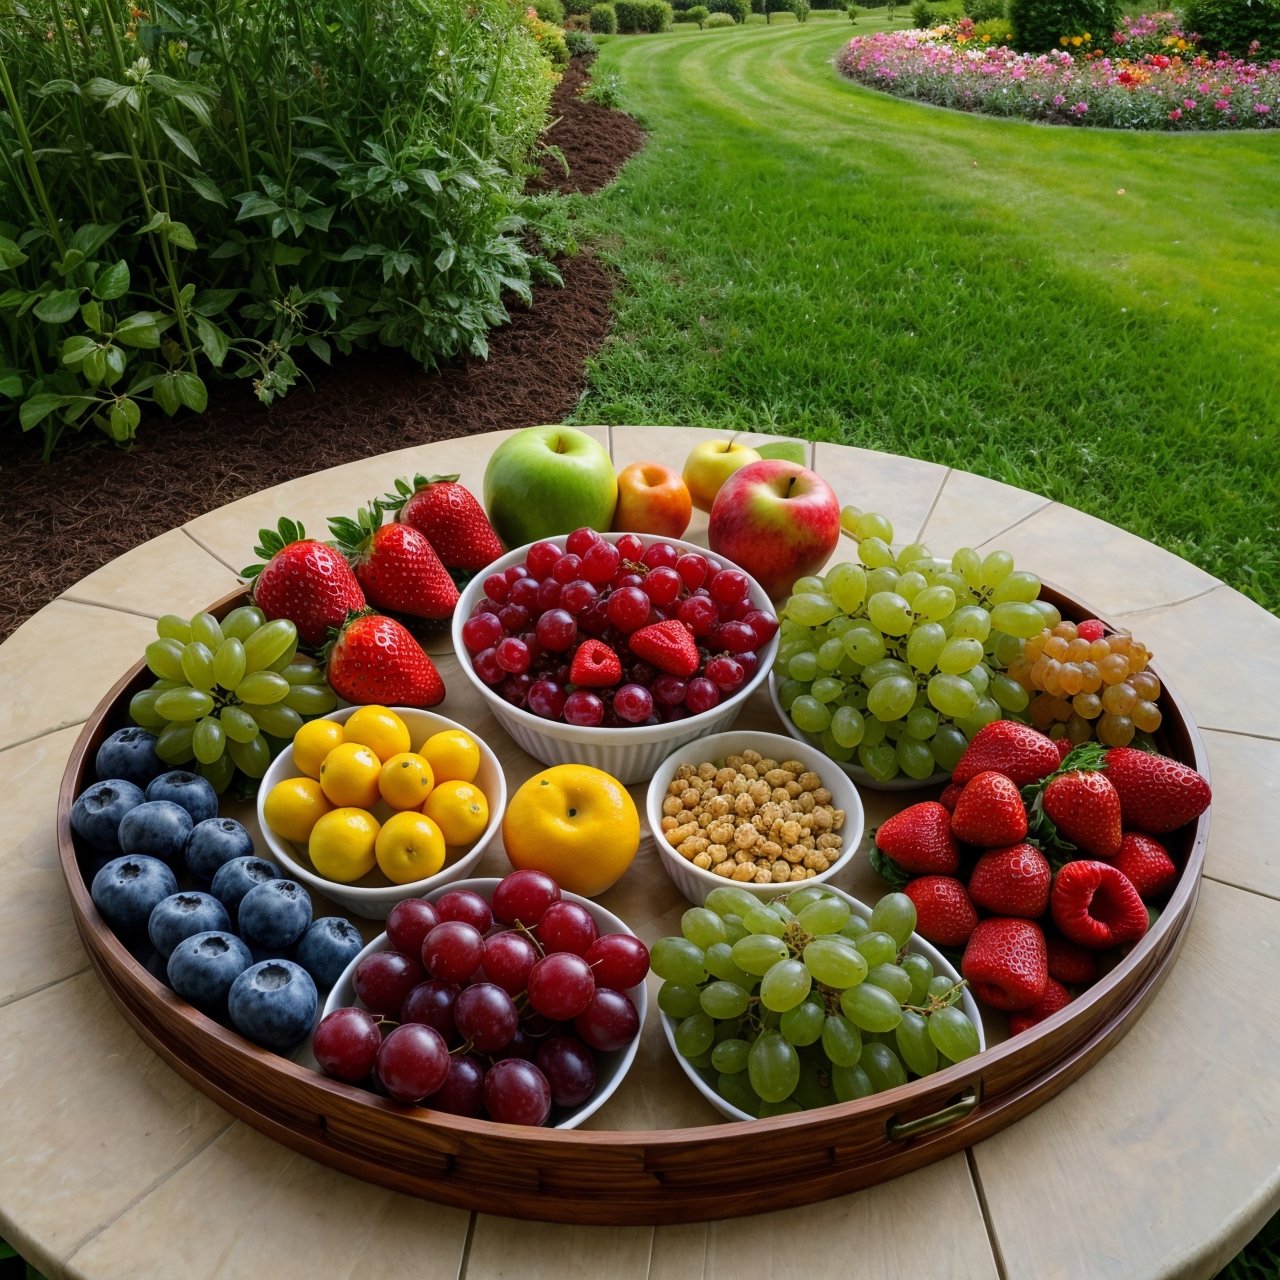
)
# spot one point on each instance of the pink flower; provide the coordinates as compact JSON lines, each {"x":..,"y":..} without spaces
{"x":1261,"y":108}
{"x":1189,"y":103}
{"x":1175,"y":114}
{"x":1058,"y":99}
{"x":1080,"y":109}
{"x":1222,"y":105}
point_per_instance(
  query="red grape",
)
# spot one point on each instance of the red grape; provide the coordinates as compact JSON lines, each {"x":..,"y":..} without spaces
{"x":577,"y":595}
{"x":524,"y":896}
{"x":496,"y":587}
{"x":485,"y":665}
{"x":412,"y":1062}
{"x":524,"y":594}
{"x":570,"y":1069}
{"x":560,"y":985}
{"x":698,"y":613}
{"x":481,"y":632}
{"x":726,"y":674}
{"x":609,"y":1021}
{"x":633,"y":703}
{"x":486,"y":1015}
{"x":548,"y":595}
{"x":630,"y":547}
{"x":583,"y":709}
{"x":508,"y":958}
{"x":452,"y":951}
{"x":600,"y":562}
{"x":663,"y":586}
{"x":567,"y":568}
{"x":580,"y":541}
{"x":546,"y":699}
{"x":516,"y":1092}
{"x":628,"y":608}
{"x":408,"y":923}
{"x":668,"y":690}
{"x":541,"y":557}
{"x":383,"y":979}
{"x":557,"y":630}
{"x":692,"y":569}
{"x":512,"y":655}
{"x":659,"y":554}
{"x":618,"y":960}
{"x":701,"y":695}
{"x":346,"y":1044}
{"x":729,"y":586}
{"x":462,"y":1093}
{"x":463,"y":904}
{"x":431,"y":1002}
{"x":566,"y":926}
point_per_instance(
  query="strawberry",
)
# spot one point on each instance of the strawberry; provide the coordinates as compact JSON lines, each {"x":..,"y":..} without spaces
{"x":1021,"y":753}
{"x":595,"y":665}
{"x":989,"y":812}
{"x":1065,"y":746}
{"x":1055,"y":997}
{"x":303,"y":580}
{"x":1096,"y":906}
{"x":1005,"y":963}
{"x":1012,"y":882}
{"x":397,"y":567}
{"x":916,"y":842}
{"x":950,"y":794}
{"x":668,"y":646}
{"x":1083,"y":805}
{"x":1156,"y":794}
{"x":944,"y":914}
{"x":375,"y":660}
{"x":1069,"y":963}
{"x":1091,"y":629}
{"x":1147,"y":864}
{"x":449,"y":517}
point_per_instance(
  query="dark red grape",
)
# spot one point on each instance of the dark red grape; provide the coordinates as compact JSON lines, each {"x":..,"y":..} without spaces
{"x":609,"y":1021}
{"x":633,"y":703}
{"x":542,"y":555}
{"x":560,"y":985}
{"x":566,"y":926}
{"x":496,"y":587}
{"x":600,"y":562}
{"x":618,"y":960}
{"x":485,"y":665}
{"x":701,"y":695}
{"x":383,"y":979}
{"x":546,"y":699}
{"x":412,"y":1062}
{"x":698,"y":613}
{"x":463,"y":904}
{"x":570,"y":1068}
{"x":486,"y":1015}
{"x":508,"y":958}
{"x":408,"y":924}
{"x":346,"y":1043}
{"x":556,"y":630}
{"x":431,"y":1002}
{"x":567,"y":568}
{"x":462,"y":1093}
{"x":583,"y":708}
{"x":516,"y":1092}
{"x":452,"y":950}
{"x":628,"y":609}
{"x":524,"y":896}
{"x":481,"y":632}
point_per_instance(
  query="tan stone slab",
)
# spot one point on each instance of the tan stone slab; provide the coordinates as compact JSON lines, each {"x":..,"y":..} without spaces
{"x":38,"y":940}
{"x":904,"y":489}
{"x":169,"y":574}
{"x":1239,"y":689}
{"x":92,"y":1119}
{"x":58,"y":665}
{"x":891,"y":1230}
{"x":1110,"y":570}
{"x":1246,"y":812}
{"x":972,"y":509}
{"x":502,"y":1248}
{"x":1165,"y":1157}
{"x":248,"y":1207}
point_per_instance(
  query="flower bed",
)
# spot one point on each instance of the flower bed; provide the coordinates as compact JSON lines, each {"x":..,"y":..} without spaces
{"x":1165,"y":84}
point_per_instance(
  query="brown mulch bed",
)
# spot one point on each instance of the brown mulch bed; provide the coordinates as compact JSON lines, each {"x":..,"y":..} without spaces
{"x":63,"y":519}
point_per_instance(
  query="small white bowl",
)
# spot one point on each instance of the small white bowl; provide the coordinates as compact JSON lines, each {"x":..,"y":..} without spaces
{"x":694,"y":882}
{"x":702,"y":1079}
{"x":855,"y":771}
{"x":610,"y":1067}
{"x":632,"y":754}
{"x":374,"y":895}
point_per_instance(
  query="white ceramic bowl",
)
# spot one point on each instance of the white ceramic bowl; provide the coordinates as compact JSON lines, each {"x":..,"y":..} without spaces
{"x":702,"y":1079}
{"x":630,"y":755}
{"x":610,"y":1067}
{"x":855,"y":771}
{"x":694,"y":882}
{"x":374,"y":895}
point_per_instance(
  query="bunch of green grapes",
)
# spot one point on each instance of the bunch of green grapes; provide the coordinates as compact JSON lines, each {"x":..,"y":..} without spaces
{"x":225,"y":690}
{"x":895,"y":662}
{"x":800,"y":1003}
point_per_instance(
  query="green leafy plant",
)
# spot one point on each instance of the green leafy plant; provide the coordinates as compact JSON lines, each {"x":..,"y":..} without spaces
{"x":801,"y":9}
{"x":643,"y":15}
{"x":1039,"y":25}
{"x":604,"y":20}
{"x":580,"y":43}
{"x":1235,"y":25}
{"x":984,"y":10}
{"x":922,"y":15}
{"x":738,"y":10}
{"x":699,"y":14}
{"x":550,"y":11}
{"x":604,"y":91}
{"x":718,"y":21}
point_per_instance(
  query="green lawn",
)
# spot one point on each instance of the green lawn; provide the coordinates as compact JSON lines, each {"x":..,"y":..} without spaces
{"x":1089,"y":314}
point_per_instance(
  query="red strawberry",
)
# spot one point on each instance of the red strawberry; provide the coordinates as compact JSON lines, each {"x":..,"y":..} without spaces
{"x":449,"y":517}
{"x":397,"y":567}
{"x":668,"y":646}
{"x":950,"y":794}
{"x":1021,"y":753}
{"x":1065,"y":746}
{"x":1005,"y":963}
{"x":1096,"y":906}
{"x":916,"y":842}
{"x":1147,"y":864}
{"x":1012,"y":882}
{"x":944,"y":914}
{"x":989,"y":812}
{"x":303,"y":580}
{"x":1156,"y":794}
{"x":1069,"y":963}
{"x":1091,"y":629}
{"x":1055,"y":997}
{"x":1084,"y":807}
{"x":595,"y":665}
{"x":375,"y":660}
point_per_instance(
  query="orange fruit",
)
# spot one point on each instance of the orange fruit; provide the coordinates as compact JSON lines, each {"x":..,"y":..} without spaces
{"x":379,"y":729}
{"x":313,"y":742}
{"x":409,"y":847}
{"x":453,"y":756}
{"x":460,"y":810}
{"x":342,"y":844}
{"x":293,"y":806}
{"x":349,"y":776}
{"x":577,"y":824}
{"x":405,"y":781}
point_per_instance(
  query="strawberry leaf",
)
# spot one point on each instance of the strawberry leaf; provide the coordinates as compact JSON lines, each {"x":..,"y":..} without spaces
{"x":888,"y":870}
{"x":271,"y":542}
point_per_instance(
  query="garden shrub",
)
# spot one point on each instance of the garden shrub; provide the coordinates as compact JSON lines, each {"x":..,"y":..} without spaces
{"x":699,"y":14}
{"x":1233,"y":25}
{"x":801,"y":9}
{"x":738,"y":10}
{"x":604,"y":19}
{"x":580,"y":43}
{"x":922,"y":15}
{"x":331,"y":182}
{"x":550,"y":40}
{"x":720,"y":19}
{"x":852,"y":11}
{"x":995,"y":30}
{"x":550,"y":11}
{"x":984,"y":10}
{"x":1040,"y":25}
{"x":643,"y":15}
{"x":576,"y":8}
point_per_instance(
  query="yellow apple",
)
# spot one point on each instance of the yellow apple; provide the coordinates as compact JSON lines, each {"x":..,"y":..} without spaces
{"x":710,"y":464}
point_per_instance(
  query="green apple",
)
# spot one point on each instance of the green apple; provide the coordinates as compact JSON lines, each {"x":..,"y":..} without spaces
{"x":788,"y":450}
{"x":547,"y":481}
{"x":710,"y":464}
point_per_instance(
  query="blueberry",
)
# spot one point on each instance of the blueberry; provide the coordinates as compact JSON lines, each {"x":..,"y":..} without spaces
{"x":127,"y":890}
{"x":202,"y":968}
{"x":234,"y":879}
{"x":130,"y":754}
{"x":327,"y":947}
{"x":182,"y":915}
{"x":274,"y":1004}
{"x":274,"y":914}
{"x":96,"y":814}
{"x":158,"y":828}
{"x":214,"y":842}
{"x":194,"y":793}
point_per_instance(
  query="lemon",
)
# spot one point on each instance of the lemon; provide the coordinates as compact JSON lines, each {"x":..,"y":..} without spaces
{"x":379,"y":729}
{"x":460,"y":810}
{"x":349,"y":775}
{"x":452,"y":755}
{"x":405,"y":781}
{"x":293,"y":806}
{"x":313,"y":741}
{"x":342,"y":844}
{"x":409,"y":847}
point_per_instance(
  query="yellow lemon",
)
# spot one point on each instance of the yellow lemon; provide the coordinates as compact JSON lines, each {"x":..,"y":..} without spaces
{"x":313,"y":742}
{"x":379,"y":729}
{"x":460,"y":810}
{"x":342,"y":844}
{"x":349,"y":775}
{"x":577,"y":824}
{"x":406,"y":781}
{"x":453,"y":756}
{"x":409,"y":847}
{"x":293,"y":806}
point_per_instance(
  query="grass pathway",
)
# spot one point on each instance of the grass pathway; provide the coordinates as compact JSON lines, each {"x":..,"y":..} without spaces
{"x":803,"y":254}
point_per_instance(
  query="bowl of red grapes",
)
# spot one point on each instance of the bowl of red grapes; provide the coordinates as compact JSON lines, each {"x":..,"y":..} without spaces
{"x":612,"y":649}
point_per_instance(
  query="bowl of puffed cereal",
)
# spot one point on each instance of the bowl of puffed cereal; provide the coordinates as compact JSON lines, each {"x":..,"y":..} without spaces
{"x":758,"y":810}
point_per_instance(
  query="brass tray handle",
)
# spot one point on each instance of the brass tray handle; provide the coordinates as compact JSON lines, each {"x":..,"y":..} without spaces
{"x":899,"y":1130}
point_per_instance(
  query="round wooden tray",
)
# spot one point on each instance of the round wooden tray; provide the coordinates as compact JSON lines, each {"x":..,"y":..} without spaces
{"x":640,"y":1176}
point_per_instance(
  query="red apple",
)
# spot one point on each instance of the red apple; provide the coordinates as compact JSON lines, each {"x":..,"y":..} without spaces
{"x":652,"y":499}
{"x":776,"y":519}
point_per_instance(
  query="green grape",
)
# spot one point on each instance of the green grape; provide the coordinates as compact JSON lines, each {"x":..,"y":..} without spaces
{"x":678,"y":960}
{"x":809,"y":715}
{"x":1006,"y":648}
{"x":890,"y":613}
{"x":891,"y":698}
{"x":1020,"y":586}
{"x":915,"y":758}
{"x":219,"y":772}
{"x":1021,"y":620}
{"x":846,"y":727}
{"x":996,"y":567}
{"x":798,"y":899}
{"x":251,"y":758}
{"x":277,"y":720}
{"x":241,"y":623}
{"x":811,"y":609}
{"x":261,"y":688}
{"x":910,"y":585}
{"x":678,"y":999}
{"x":173,"y":743}
{"x":959,"y":656}
{"x":972,"y":622}
{"x":727,"y":900}
{"x":719,"y":962}
{"x":760,"y":920}
{"x":694,"y":1035}
{"x":813,"y":1089}
{"x":920,"y":971}
{"x":952,"y":695}
{"x":1008,"y":694}
{"x":978,"y":677}
{"x":883,"y":1067}
{"x":183,"y":704}
{"x":208,"y":740}
{"x":875,"y":553}
{"x":846,"y":584}
{"x":894,"y":914}
{"x":724,"y":1000}
{"x":164,"y":658}
{"x":827,"y":689}
{"x":864,"y":644}
{"x":702,"y":927}
{"x":302,"y":671}
{"x":873,"y":673}
{"x":884,"y":578}
{"x":270,"y":642}
{"x":1049,"y":614}
{"x":983,"y":714}
{"x":207,"y":630}
{"x":142,"y":709}
{"x":922,"y":723}
{"x":172,"y":627}
{"x":789,"y":690}
{"x":197,"y":666}
{"x":780,"y":909}
{"x":841,"y":1041}
{"x":804,"y":666}
{"x":968,"y":564}
{"x":240,"y":726}
{"x":877,"y":946}
{"x":924,"y":644}
{"x":881,"y":762}
{"x":834,"y":963}
{"x":810,"y":583}
{"x":949,"y":744}
{"x":228,"y":663}
{"x":730,"y":1056}
{"x":941,"y":987}
{"x":757,"y":953}
{"x":830,"y":654}
{"x":773,"y":1067}
{"x":784,"y":986}
{"x":735,"y":1088}
{"x":851,"y":1083}
{"x":935,"y":603}
{"x":871,"y":524}
{"x":832,"y":748}
{"x":953,"y":1034}
{"x":870,"y":1008}
{"x":826,"y":915}
{"x":310,"y":699}
{"x":787,"y":1107}
{"x":915,"y":1047}
{"x":802,"y":1025}
{"x":854,"y":928}
{"x":891,"y":979}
